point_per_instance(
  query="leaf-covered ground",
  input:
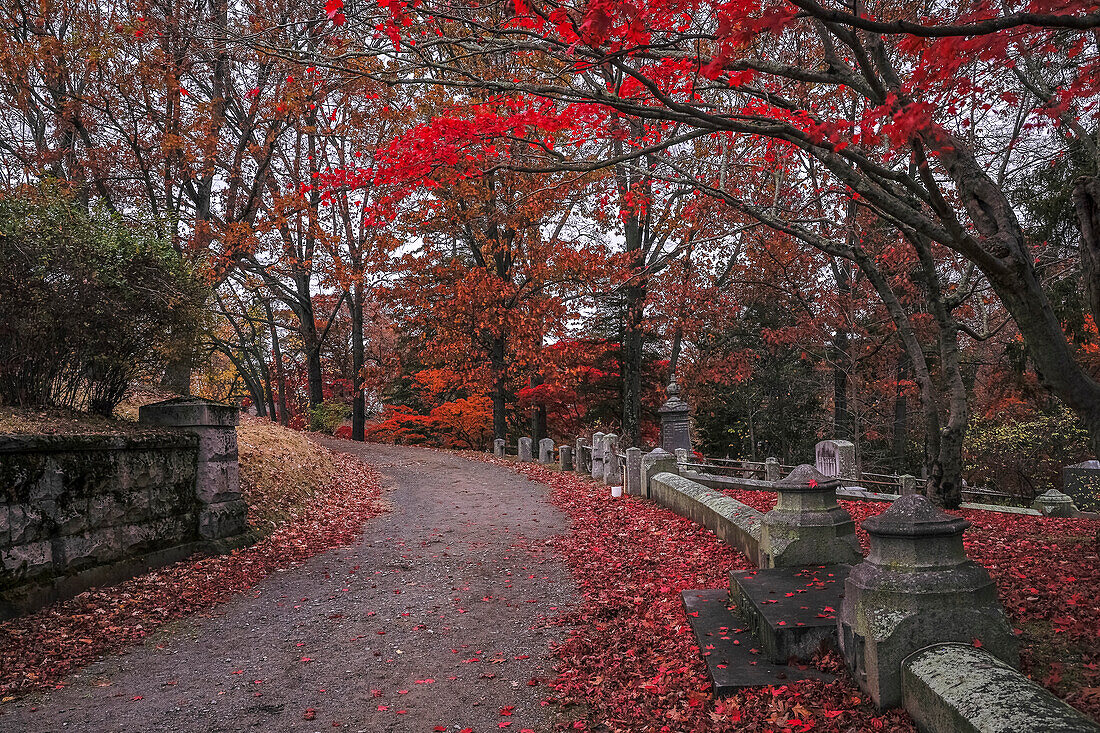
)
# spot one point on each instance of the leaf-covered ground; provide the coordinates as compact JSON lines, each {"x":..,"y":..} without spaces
{"x":630,"y":662}
{"x":1047,"y":573}
{"x":39,"y":650}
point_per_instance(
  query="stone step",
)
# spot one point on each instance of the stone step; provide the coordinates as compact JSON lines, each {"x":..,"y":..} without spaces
{"x":734,"y":658}
{"x":792,"y":611}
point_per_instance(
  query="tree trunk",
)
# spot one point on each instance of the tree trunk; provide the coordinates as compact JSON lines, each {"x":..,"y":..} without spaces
{"x":358,"y":360}
{"x":538,"y":416}
{"x":496,"y":359}
{"x":632,"y":364}
{"x":901,"y":419}
{"x":1086,"y":200}
{"x":280,"y":369}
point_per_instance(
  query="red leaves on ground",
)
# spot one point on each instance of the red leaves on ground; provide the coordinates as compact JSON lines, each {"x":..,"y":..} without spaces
{"x":1047,"y":572}
{"x":38,"y":650}
{"x":630,"y":659}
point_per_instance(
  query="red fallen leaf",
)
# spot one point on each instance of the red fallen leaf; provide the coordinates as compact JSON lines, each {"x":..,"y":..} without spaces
{"x":439,"y":728}
{"x":309,"y":714}
{"x":425,"y":682}
{"x":977,"y":643}
{"x":306,"y":659}
{"x":401,"y":712}
{"x":507,"y":709}
{"x":137,"y":697}
{"x":466,"y":730}
{"x":504,"y":724}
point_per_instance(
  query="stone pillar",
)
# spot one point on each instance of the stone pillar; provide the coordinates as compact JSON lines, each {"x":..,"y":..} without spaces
{"x":525,"y":454}
{"x":682,"y":457}
{"x":222,"y":512}
{"x":771,"y":469}
{"x":836,"y":459}
{"x":915,"y":589}
{"x":1055,"y":504}
{"x":657,"y":461}
{"x":633,"y":472}
{"x":907,"y":484}
{"x":610,"y":473}
{"x":675,"y":421}
{"x":565,"y":458}
{"x":498,"y":447}
{"x":578,"y":456}
{"x":807,"y":526}
{"x":597,"y":455}
{"x":546,"y":450}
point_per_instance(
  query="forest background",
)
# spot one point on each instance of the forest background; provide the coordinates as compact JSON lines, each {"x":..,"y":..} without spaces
{"x":436,"y":224}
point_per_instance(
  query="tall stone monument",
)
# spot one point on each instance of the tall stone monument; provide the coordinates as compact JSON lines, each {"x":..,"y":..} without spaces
{"x":675,"y":421}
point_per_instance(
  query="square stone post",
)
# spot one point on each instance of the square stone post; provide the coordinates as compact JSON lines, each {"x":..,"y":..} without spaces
{"x":222,"y":512}
{"x":633,"y":472}
{"x":498,"y":447}
{"x":525,"y":454}
{"x":610,"y":473}
{"x":682,"y":457}
{"x":565,"y":458}
{"x":771,"y":469}
{"x":836,"y":459}
{"x":657,"y":461}
{"x":578,"y":456}
{"x":907,"y":484}
{"x":807,"y":526}
{"x":597,"y":455}
{"x":915,"y":589}
{"x":546,"y":450}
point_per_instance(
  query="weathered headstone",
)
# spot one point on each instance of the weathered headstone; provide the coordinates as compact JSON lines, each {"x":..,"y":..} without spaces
{"x":836,"y":459}
{"x":657,"y":461}
{"x":1054,"y":503}
{"x":807,"y":526}
{"x":498,"y":447}
{"x":772,"y":469}
{"x":578,"y":456}
{"x":907,"y":484}
{"x":675,"y":421}
{"x":633,"y":472}
{"x":223,"y":512}
{"x":546,"y":450}
{"x":610,"y":474}
{"x":525,"y":453}
{"x":916,"y":588}
{"x":1081,"y":482}
{"x":597,"y":455}
{"x":565,"y":458}
{"x":682,"y":456}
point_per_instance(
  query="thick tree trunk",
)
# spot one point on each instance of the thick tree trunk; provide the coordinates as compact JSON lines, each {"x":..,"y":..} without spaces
{"x":500,"y":416}
{"x":1004,"y":258}
{"x":538,"y":416}
{"x":633,"y":336}
{"x":1086,"y":200}
{"x":358,"y":360}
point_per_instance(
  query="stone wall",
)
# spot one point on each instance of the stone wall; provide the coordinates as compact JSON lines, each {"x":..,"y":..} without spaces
{"x":69,"y":504}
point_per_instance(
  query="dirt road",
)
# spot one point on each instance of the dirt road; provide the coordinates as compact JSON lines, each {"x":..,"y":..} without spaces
{"x":435,"y":621}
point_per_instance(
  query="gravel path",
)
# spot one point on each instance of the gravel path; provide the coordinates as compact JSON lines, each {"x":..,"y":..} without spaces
{"x":436,"y":618}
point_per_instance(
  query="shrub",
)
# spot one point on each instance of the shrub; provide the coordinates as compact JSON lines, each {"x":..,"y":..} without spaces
{"x":87,"y":305}
{"x":328,"y":416}
{"x":1024,"y":457}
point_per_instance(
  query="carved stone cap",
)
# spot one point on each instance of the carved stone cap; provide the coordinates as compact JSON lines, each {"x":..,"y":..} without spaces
{"x":806,"y":478}
{"x":189,"y":412}
{"x":914,"y":515}
{"x":674,"y":403}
